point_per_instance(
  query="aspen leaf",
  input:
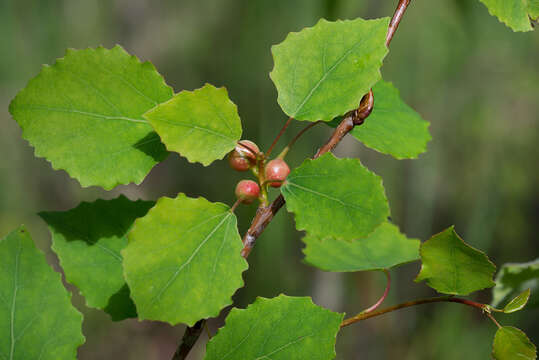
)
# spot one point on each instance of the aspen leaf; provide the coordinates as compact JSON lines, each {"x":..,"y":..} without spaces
{"x":384,"y":248}
{"x":323,"y":71}
{"x":450,"y":266}
{"x":282,"y":328}
{"x":182,"y":262}
{"x":202,"y":125}
{"x":336,"y":198}
{"x":37,"y":317}
{"x":88,"y":240}
{"x":84,"y":115}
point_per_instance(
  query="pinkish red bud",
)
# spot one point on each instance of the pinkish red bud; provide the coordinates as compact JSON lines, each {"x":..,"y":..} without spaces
{"x":247,"y":191}
{"x":243,"y":157}
{"x":276,"y":169}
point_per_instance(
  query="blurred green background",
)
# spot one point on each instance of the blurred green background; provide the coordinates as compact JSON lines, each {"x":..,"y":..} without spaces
{"x":475,"y":80}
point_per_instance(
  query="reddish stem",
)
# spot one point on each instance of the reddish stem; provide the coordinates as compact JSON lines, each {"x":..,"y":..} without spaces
{"x":278,"y":136}
{"x":384,"y":295}
{"x":364,"y":316}
{"x":395,"y":21}
{"x":264,"y":215}
{"x":235,"y":205}
{"x":298,"y":135}
{"x":493,"y":320}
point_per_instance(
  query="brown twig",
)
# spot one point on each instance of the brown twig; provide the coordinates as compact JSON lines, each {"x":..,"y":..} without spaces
{"x":364,"y":316}
{"x":352,"y":119}
{"x":265,"y":214}
{"x":189,"y":339}
{"x":263,"y":217}
{"x":396,"y":19}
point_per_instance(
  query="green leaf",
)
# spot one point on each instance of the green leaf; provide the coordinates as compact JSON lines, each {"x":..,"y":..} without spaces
{"x":384,"y":248}
{"x":88,"y":240}
{"x":183,"y":262}
{"x":517,"y":303}
{"x":337,"y":198}
{"x":514,"y":278}
{"x":203,"y":125}
{"x":291,"y":328}
{"x":37,"y":317}
{"x":393,"y":127}
{"x":323,"y":71}
{"x":516,"y":14}
{"x":511,"y":343}
{"x":84,"y":115}
{"x":450,"y":266}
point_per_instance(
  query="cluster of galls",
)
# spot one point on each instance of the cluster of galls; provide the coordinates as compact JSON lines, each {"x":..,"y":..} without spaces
{"x":245,"y":157}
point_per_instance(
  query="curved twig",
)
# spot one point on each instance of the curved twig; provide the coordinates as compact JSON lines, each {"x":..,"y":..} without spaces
{"x":364,"y":316}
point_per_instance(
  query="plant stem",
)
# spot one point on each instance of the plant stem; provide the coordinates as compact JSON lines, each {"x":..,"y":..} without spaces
{"x":493,"y":320}
{"x":364,"y":316}
{"x":395,"y":21}
{"x":278,"y":136}
{"x":238,"y":201}
{"x":352,"y":119}
{"x":265,"y":214}
{"x":384,"y":295}
{"x":260,"y":165}
{"x":189,"y":339}
{"x":291,"y":143}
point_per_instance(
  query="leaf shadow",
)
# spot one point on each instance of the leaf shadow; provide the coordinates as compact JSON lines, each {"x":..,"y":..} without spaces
{"x":120,"y":306}
{"x":152,"y":146}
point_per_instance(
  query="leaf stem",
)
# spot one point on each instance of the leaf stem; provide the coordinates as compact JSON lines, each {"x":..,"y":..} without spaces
{"x":493,"y":320}
{"x":384,"y":295}
{"x":264,"y":215}
{"x":260,"y":165}
{"x":298,"y":135}
{"x":364,"y":316}
{"x":278,"y":136}
{"x":238,"y":201}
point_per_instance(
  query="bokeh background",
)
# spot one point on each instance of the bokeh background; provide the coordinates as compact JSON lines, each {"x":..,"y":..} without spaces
{"x":475,"y":80}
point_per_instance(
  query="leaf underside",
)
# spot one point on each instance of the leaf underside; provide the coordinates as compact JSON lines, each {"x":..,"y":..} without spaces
{"x":511,"y":343}
{"x":516,"y":14}
{"x":513,"y":279}
{"x":384,"y":248}
{"x":323,"y":71}
{"x":88,"y":240}
{"x":202,"y":125}
{"x":84,"y":115}
{"x":336,"y":198}
{"x":450,"y":266}
{"x":37,"y":318}
{"x":183,"y":262}
{"x":282,"y":328}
